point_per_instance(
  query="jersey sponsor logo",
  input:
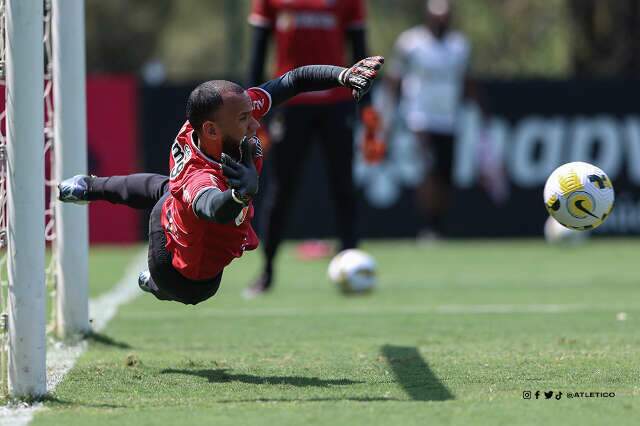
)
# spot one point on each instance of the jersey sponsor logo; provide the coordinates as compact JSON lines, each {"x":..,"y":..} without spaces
{"x":260,"y":101}
{"x":181,"y":155}
{"x":288,"y":21}
{"x":258,"y":104}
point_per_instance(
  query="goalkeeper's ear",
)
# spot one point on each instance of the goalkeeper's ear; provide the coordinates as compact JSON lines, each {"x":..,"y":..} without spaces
{"x":210,"y":130}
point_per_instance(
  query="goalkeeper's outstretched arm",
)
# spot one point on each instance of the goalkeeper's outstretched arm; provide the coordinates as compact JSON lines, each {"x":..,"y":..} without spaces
{"x":311,"y":78}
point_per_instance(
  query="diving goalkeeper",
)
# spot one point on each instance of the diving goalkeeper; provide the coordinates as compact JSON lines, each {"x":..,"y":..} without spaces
{"x":201,"y":212}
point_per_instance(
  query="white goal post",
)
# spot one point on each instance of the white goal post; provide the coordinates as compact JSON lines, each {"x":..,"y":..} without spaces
{"x":25,"y":198}
{"x":70,"y":150}
{"x":45,"y":92}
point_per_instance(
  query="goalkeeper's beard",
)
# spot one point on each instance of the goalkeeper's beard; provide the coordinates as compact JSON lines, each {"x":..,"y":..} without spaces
{"x":231,"y":147}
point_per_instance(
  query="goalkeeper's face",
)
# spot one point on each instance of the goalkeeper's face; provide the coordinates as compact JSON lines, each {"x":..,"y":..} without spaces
{"x":236,"y":121}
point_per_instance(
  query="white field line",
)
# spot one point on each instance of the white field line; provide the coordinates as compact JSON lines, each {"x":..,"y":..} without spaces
{"x":61,"y":358}
{"x":493,"y":309}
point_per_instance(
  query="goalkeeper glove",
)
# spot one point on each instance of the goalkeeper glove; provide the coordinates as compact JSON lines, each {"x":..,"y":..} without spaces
{"x":374,"y":148}
{"x":265,"y":139}
{"x":242,"y":176}
{"x":359,"y":77}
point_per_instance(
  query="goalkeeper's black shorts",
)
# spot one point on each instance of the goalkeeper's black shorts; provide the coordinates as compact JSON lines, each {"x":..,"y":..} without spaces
{"x":166,"y":282}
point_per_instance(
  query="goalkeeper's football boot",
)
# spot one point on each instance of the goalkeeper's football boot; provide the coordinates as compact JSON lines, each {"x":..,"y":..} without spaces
{"x":143,"y":281}
{"x":74,"y":190}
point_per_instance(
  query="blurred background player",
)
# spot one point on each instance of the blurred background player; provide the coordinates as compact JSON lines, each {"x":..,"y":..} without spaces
{"x":306,"y":32}
{"x":427,"y":76}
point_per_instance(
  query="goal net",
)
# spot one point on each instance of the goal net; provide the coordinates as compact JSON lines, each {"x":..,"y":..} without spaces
{"x":42,"y":140}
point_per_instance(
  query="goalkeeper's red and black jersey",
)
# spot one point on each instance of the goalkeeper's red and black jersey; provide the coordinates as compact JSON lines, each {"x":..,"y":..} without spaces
{"x":200,"y":249}
{"x":310,"y":32}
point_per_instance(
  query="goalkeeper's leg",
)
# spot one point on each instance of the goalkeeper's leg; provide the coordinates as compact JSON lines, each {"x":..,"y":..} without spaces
{"x":286,"y":157}
{"x":337,"y":141}
{"x":139,"y":191}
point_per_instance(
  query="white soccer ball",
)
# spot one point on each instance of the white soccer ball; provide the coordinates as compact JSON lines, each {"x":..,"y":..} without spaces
{"x":556,"y":234}
{"x":353,"y":271}
{"x":579,"y":196}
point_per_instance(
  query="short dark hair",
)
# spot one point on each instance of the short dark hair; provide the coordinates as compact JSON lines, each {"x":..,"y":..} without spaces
{"x":207,"y":98}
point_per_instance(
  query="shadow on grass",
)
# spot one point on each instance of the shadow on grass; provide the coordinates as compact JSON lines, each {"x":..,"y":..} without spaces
{"x":414,"y":374}
{"x":222,"y":376}
{"x":103,"y":339}
{"x":52,"y":400}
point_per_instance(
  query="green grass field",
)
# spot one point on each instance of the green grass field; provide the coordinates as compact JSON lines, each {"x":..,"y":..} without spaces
{"x":455,"y":333}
